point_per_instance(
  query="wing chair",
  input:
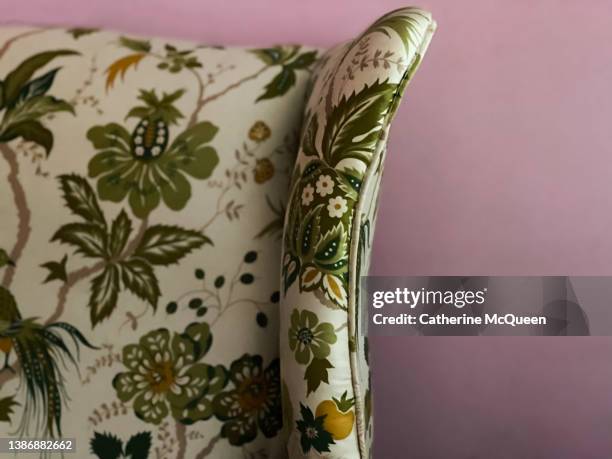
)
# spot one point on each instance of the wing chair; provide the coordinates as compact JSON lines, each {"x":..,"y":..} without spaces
{"x":182,"y":230}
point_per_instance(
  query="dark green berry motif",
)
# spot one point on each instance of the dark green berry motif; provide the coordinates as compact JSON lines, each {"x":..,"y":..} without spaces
{"x":171,"y":307}
{"x":195,"y":303}
{"x":219,"y":282}
{"x":262,"y":319}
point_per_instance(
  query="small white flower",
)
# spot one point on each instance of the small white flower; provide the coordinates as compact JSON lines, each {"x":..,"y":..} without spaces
{"x":160,"y":139}
{"x":155,"y":151}
{"x":145,"y":122}
{"x":137,"y":140}
{"x":140,"y":130}
{"x":160,"y":124}
{"x":139,"y":151}
{"x":307,"y":195}
{"x":325,"y":185}
{"x":337,"y":207}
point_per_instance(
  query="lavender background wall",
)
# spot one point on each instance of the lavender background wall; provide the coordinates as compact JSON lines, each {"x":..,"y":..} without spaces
{"x":500,"y":164}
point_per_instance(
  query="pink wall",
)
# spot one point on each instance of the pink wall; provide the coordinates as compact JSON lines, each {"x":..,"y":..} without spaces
{"x":500,"y":164}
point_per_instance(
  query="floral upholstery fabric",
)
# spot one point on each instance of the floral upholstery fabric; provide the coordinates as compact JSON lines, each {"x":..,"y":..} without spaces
{"x":142,"y":194}
{"x":156,"y":298}
{"x":328,"y":231}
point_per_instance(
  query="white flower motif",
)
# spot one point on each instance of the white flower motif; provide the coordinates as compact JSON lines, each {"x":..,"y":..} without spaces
{"x":139,"y":151}
{"x":155,"y":151}
{"x":337,"y":207}
{"x":307,"y":195}
{"x":325,"y":185}
{"x":138,"y":140}
{"x":160,"y":139}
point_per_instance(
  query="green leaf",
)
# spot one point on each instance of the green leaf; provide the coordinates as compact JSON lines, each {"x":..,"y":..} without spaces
{"x":6,"y":408}
{"x":303,"y":61}
{"x":279,"y":85}
{"x":316,"y":373}
{"x":138,"y":446}
{"x":37,"y":107}
{"x":89,"y":239}
{"x":139,"y":278}
{"x":57,"y":270}
{"x":38,"y":86}
{"x":141,"y":46}
{"x":18,"y":78}
{"x":120,"y":233}
{"x":5,"y":259}
{"x":81,"y":199}
{"x":309,"y":231}
{"x":106,"y":446}
{"x":31,"y":131}
{"x":164,"y":245}
{"x":104,"y":293}
{"x":403,"y":22}
{"x":332,"y":246}
{"x":79,"y":32}
{"x":354,"y":126}
{"x":270,"y":56}
{"x":309,"y":139}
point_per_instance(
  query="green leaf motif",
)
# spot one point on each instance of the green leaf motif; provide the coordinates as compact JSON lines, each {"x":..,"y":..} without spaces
{"x":309,"y":145}
{"x":141,"y":46}
{"x":31,"y":131}
{"x":309,"y":232}
{"x":104,"y":293}
{"x":331,"y":248}
{"x":106,"y":446}
{"x":17,"y":79}
{"x":38,"y":86}
{"x":5,"y":259}
{"x":79,"y":32}
{"x":404,"y":23}
{"x":120,"y":233}
{"x":165,"y":245}
{"x":6,"y":408}
{"x":89,"y":240}
{"x":57,"y":270}
{"x":303,"y":61}
{"x":138,"y":446}
{"x":316,"y":373}
{"x":81,"y":199}
{"x":139,"y":278}
{"x":279,"y":85}
{"x":354,"y":126}
{"x":270,"y":56}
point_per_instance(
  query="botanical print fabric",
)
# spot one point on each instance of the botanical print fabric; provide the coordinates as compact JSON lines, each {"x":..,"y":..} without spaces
{"x":144,"y":184}
{"x":327,"y":236}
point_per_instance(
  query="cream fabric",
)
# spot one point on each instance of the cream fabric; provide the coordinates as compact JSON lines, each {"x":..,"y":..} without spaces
{"x":186,"y":150}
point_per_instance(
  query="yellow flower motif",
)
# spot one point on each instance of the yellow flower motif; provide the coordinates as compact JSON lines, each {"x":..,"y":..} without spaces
{"x":259,"y":132}
{"x":264,"y":170}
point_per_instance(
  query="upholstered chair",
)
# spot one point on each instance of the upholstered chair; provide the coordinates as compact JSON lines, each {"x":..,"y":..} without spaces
{"x":182,"y":231}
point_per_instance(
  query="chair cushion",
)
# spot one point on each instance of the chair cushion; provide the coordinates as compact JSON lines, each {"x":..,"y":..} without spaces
{"x":143,"y":190}
{"x":328,"y":233}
